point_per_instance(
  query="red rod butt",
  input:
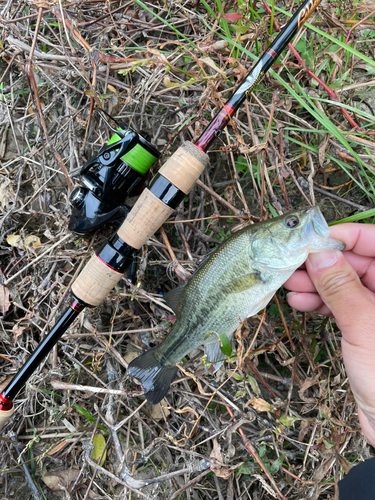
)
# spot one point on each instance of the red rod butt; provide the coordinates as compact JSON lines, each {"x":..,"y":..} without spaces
{"x":76,"y":305}
{"x":5,"y":403}
{"x":6,"y":410}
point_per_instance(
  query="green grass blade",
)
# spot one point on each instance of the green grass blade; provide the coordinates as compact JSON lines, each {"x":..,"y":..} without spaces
{"x":178,"y":33}
{"x":324,"y":34}
{"x":327,"y":124}
{"x":223,"y":21}
{"x":356,"y":217}
{"x":358,"y":111}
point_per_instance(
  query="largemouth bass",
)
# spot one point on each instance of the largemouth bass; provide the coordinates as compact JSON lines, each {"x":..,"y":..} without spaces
{"x":234,"y":282}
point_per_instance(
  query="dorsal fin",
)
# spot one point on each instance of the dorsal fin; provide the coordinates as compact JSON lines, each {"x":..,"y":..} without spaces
{"x":205,"y":259}
{"x":173,"y":298}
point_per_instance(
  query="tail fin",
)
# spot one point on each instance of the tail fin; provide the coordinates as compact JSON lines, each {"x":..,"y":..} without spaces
{"x":154,"y":377}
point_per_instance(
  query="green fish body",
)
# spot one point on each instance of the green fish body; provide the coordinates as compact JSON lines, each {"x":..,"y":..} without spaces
{"x":233,"y":283}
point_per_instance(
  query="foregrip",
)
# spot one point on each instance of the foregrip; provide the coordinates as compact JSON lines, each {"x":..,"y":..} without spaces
{"x":168,"y":188}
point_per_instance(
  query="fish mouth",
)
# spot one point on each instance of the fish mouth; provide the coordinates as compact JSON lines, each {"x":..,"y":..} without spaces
{"x":316,"y":225}
{"x":319,"y":224}
{"x":317,"y":231}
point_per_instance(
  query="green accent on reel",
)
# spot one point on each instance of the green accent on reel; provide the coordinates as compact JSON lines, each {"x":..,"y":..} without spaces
{"x":138,"y":157}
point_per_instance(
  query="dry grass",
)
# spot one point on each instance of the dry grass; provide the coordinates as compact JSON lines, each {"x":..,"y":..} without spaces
{"x":287,"y":405}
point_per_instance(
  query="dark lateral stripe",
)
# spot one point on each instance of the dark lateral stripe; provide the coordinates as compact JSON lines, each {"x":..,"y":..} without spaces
{"x":167,"y":192}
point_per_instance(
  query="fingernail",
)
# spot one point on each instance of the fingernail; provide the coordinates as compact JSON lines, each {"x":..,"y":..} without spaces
{"x":322,"y":260}
{"x":291,"y":294}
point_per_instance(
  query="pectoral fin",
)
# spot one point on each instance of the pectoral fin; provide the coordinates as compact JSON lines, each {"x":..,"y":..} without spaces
{"x":261,"y":304}
{"x":242,"y":283}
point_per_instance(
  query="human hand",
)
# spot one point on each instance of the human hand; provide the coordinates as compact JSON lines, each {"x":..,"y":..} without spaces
{"x":342,"y":284}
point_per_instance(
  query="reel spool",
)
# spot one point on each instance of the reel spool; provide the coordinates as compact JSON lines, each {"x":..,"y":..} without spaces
{"x":108,"y":179}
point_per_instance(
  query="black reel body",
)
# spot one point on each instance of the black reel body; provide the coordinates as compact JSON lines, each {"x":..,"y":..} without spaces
{"x":108,"y":179}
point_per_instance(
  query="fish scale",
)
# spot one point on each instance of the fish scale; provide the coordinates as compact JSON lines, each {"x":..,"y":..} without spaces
{"x":236,"y":281}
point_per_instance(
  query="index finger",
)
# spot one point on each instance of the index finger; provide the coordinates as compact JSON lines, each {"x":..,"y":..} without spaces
{"x":360,"y":238}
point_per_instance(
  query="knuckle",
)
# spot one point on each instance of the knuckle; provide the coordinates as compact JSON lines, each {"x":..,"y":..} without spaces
{"x":338,"y":281}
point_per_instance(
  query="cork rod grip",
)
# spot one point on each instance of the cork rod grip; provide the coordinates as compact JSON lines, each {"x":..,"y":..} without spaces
{"x":95,"y":282}
{"x":182,"y":169}
{"x":5,"y":416}
{"x":148,"y":214}
{"x":145,"y":218}
{"x":185,"y":166}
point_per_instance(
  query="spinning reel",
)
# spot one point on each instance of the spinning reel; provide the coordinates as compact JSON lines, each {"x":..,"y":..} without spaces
{"x":109,"y":178}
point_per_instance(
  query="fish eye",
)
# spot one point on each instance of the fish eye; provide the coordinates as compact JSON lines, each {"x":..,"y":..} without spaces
{"x":292,"y":222}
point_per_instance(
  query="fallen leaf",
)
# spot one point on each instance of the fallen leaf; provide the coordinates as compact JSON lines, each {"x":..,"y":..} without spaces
{"x":60,"y":480}
{"x":33,"y":241}
{"x":219,"y":470}
{"x":30,"y":109}
{"x":335,"y":58}
{"x":95,"y":496}
{"x":130,"y":355}
{"x":288,"y":421}
{"x":288,"y":103}
{"x":112,"y":89}
{"x":363,"y":8}
{"x":209,"y":62}
{"x":260,"y":405}
{"x":14,"y":240}
{"x":327,"y":444}
{"x":68,"y":425}
{"x":157,"y":413}
{"x":57,"y":448}
{"x":322,"y":150}
{"x":253,"y":149}
{"x":99,"y":447}
{"x":167,"y":83}
{"x":6,"y":192}
{"x":345,"y":464}
{"x":233,"y":16}
{"x":265,"y":485}
{"x":254,"y":385}
{"x":215,"y":47}
{"x":18,"y":331}
{"x":309,"y":382}
{"x":4,"y":299}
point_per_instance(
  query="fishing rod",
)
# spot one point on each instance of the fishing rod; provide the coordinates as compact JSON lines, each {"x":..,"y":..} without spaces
{"x":156,"y":203}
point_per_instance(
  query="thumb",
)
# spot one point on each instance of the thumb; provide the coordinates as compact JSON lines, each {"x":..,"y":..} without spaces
{"x":339,"y":287}
{"x":354,"y":310}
